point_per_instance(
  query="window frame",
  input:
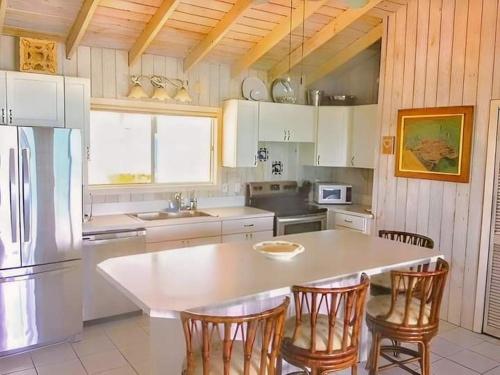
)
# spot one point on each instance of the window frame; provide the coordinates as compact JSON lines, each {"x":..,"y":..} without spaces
{"x":155,"y":108}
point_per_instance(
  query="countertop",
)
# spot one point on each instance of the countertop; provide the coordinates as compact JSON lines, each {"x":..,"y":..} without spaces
{"x":349,"y":209}
{"x":114,"y":222}
{"x":167,"y":282}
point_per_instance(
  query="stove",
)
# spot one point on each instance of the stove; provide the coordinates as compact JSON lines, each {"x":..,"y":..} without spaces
{"x":289,"y":202}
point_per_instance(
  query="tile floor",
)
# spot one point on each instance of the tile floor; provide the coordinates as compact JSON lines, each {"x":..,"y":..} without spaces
{"x":121,"y":347}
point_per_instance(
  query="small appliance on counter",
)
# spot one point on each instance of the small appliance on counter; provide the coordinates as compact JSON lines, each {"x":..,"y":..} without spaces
{"x":288,"y":201}
{"x":332,"y":193}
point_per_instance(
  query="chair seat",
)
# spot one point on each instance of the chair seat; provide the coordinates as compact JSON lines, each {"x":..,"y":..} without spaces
{"x":303,"y":337}
{"x":217,"y":364}
{"x":380,"y":305}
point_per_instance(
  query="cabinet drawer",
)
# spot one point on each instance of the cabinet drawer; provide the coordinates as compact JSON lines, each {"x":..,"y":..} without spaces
{"x":170,"y":245}
{"x":183,"y":232}
{"x":251,"y":237}
{"x":350,"y":221}
{"x":247,"y":225}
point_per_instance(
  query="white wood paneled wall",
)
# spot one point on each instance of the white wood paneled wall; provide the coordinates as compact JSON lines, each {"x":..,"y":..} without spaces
{"x":440,"y":53}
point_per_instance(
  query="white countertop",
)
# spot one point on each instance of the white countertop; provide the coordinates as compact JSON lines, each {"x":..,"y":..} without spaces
{"x":349,"y":209}
{"x":123,"y":221}
{"x":165,"y":283}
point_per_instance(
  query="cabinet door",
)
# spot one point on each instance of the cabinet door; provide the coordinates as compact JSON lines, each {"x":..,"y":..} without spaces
{"x":364,"y":122}
{"x":171,"y":245}
{"x":35,"y":99}
{"x":301,"y":122}
{"x":240,"y":133}
{"x":333,"y":136}
{"x":273,"y":121}
{"x":77,"y":112}
{"x":251,"y":237}
{"x":3,"y":99}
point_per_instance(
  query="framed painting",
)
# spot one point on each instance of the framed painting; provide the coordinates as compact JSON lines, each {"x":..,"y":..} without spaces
{"x":435,"y":143}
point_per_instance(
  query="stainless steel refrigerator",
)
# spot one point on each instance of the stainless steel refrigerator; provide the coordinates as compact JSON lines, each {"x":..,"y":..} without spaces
{"x":40,"y":236}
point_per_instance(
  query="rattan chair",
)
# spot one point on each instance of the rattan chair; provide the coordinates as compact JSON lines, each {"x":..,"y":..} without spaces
{"x":234,"y":345}
{"x":411,"y":316}
{"x":325,"y":333}
{"x":381,"y":284}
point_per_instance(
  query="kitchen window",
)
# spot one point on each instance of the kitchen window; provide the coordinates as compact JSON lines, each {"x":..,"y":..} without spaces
{"x":145,"y":149}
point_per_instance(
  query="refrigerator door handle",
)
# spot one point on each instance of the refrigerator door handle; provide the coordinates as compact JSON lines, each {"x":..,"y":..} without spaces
{"x":26,"y":183}
{"x":13,"y":194}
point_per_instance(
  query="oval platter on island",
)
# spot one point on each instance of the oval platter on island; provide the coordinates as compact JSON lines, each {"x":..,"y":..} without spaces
{"x":279,"y":250}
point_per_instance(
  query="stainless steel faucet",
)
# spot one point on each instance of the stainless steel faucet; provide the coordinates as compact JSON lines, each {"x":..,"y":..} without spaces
{"x":178,"y":201}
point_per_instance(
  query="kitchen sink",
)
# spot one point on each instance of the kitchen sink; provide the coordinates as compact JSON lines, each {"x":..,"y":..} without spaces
{"x":163,"y":215}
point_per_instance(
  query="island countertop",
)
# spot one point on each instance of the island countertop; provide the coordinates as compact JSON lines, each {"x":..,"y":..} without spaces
{"x":168,"y":282}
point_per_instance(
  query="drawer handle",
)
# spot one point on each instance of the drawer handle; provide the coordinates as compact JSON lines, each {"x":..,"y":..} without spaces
{"x":348,"y":220}
{"x":248,"y":225}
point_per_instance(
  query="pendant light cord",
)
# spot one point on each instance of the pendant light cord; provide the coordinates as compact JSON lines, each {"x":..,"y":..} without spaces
{"x":303,"y":40}
{"x":290,"y":41}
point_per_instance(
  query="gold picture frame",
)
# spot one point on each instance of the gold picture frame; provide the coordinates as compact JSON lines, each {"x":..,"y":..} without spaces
{"x":37,"y":56}
{"x":435,"y":143}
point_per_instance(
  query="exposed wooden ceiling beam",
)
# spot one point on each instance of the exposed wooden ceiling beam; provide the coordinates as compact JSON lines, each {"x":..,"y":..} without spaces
{"x":216,"y":34}
{"x":276,"y":35}
{"x":333,"y":28}
{"x":80,"y":26}
{"x":152,"y":28}
{"x":346,"y":54}
{"x":3,"y":10}
{"x":14,"y":31}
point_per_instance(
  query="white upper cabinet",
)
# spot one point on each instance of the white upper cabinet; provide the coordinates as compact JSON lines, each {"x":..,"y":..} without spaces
{"x":240,"y":136}
{"x":333,"y":137}
{"x":286,"y":122}
{"x":364,"y":118}
{"x":3,"y":98}
{"x":35,"y":99}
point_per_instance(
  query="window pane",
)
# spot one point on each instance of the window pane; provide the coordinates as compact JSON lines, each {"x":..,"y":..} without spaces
{"x":183,"y":151}
{"x":120,"y":148}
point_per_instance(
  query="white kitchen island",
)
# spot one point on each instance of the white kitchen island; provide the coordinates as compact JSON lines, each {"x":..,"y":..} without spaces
{"x":232,"y":278}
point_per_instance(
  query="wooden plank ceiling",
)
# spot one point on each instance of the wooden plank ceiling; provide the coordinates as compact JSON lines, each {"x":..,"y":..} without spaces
{"x":242,"y":33}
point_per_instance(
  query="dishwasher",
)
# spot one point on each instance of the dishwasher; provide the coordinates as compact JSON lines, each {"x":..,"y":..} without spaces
{"x":100,"y":298}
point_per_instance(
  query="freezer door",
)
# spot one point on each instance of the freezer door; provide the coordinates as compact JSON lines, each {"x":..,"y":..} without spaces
{"x":10,"y":249}
{"x":39,"y":305}
{"x":51,"y":195}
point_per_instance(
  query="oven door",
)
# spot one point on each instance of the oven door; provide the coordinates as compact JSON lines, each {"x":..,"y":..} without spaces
{"x":300,"y":224}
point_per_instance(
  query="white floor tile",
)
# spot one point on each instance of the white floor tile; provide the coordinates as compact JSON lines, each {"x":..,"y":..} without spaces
{"x":93,"y":331}
{"x":93,"y":345}
{"x":136,"y":354}
{"x":443,"y":347}
{"x":445,"y":326}
{"x":53,"y":354}
{"x":462,"y":337}
{"x":143,"y":368}
{"x":103,"y":361}
{"x":65,"y":368}
{"x":446,"y":367}
{"x":474,"y":361}
{"x":123,"y":336}
{"x":488,"y":349}
{"x":25,"y":372}
{"x":15,"y":363}
{"x":126,"y":370}
{"x":495,"y":371}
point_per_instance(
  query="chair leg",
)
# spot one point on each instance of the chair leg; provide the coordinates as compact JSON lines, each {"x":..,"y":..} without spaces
{"x":354,"y":369}
{"x":425,"y":358}
{"x":373,"y":370}
{"x":279,"y":365}
{"x":370,"y":352}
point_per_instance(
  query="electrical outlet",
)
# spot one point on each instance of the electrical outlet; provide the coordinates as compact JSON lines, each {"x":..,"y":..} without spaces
{"x":237,"y":187}
{"x":225,"y":188}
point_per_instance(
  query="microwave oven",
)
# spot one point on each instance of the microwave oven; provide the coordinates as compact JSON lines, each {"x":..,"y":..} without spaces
{"x":332,"y":193}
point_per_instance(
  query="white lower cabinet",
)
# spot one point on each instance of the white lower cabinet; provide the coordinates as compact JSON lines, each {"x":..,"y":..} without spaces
{"x":250,"y":236}
{"x":343,"y":221}
{"x":170,"y":245}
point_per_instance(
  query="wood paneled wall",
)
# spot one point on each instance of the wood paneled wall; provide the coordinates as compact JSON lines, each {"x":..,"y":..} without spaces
{"x":440,"y":53}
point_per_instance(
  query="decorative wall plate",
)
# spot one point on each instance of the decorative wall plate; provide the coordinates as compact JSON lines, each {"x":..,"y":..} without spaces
{"x":254,"y":89}
{"x":37,"y":56}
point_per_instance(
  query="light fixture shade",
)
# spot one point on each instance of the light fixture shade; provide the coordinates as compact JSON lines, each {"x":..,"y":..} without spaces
{"x":137,"y":92}
{"x":183,"y":95}
{"x":356,"y":3}
{"x":160,"y":93}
